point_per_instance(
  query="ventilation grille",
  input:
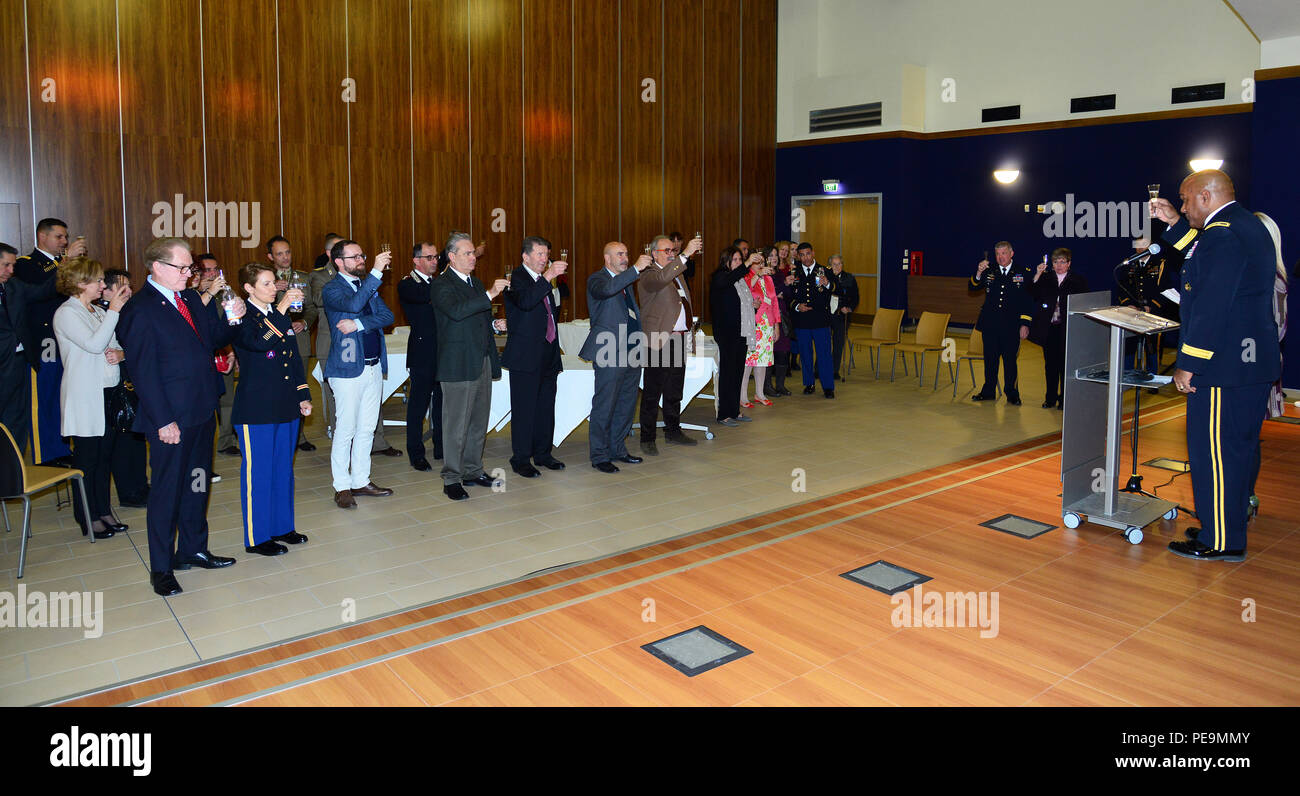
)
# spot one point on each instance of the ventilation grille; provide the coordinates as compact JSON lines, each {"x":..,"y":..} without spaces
{"x":1209,"y":91}
{"x":1102,"y":102}
{"x":1003,"y":114}
{"x":843,"y":118}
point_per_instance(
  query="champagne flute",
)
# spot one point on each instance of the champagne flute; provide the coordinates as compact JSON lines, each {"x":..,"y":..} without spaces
{"x":1153,"y":190}
{"x":564,"y":255}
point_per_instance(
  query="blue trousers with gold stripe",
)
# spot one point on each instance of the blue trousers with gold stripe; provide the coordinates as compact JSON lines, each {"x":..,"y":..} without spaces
{"x":266,"y":479}
{"x":47,"y":433}
{"x":1222,"y":441}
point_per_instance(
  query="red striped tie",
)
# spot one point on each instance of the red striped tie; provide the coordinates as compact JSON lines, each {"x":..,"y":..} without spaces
{"x":185,"y":313}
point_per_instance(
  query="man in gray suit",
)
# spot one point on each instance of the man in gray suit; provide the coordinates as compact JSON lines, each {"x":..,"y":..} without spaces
{"x":467,"y":364}
{"x":615,"y":347}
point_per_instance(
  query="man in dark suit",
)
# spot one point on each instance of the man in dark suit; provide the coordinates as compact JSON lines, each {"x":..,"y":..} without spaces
{"x":1051,"y":291}
{"x":415,"y":293}
{"x":467,"y":364}
{"x":532,"y":355}
{"x":810,"y":298}
{"x":1141,"y":285}
{"x":18,"y":352}
{"x":616,"y":348}
{"x":843,"y":303}
{"x":1003,"y":320}
{"x":36,"y":269}
{"x":169,"y":336}
{"x":1228,"y":354}
{"x":356,"y":367}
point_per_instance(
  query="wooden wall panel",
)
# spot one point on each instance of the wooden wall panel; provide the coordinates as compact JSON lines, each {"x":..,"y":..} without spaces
{"x":313,"y":45}
{"x":758,"y":127}
{"x":682,"y":102}
{"x":721,"y":138}
{"x":15,"y":160}
{"x":496,"y":89}
{"x":243,"y":147}
{"x":548,"y":132}
{"x":78,"y":174}
{"x":595,"y":135}
{"x":641,"y":131}
{"x":441,"y":100}
{"x":379,"y":34}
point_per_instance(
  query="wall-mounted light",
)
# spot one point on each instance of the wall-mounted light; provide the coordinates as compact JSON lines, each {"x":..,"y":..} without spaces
{"x":830,"y":186}
{"x":1201,"y":164}
{"x":1006,"y":176}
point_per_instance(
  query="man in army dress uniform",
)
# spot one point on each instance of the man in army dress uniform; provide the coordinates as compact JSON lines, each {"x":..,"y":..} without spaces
{"x":1228,"y":355}
{"x":1003,"y":320}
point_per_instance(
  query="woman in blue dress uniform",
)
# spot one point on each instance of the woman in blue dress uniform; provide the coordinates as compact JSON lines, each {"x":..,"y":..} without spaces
{"x":270,"y":398}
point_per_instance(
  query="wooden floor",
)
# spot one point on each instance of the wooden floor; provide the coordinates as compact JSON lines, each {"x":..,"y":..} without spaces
{"x":1084,"y":617}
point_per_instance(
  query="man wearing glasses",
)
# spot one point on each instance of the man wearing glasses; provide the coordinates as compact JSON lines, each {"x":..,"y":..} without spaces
{"x":667,"y":318}
{"x":170,"y":335}
{"x":357,"y":363}
{"x":425,"y":395}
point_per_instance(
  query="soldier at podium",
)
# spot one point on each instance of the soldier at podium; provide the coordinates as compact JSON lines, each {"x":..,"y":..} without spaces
{"x":1228,"y":356}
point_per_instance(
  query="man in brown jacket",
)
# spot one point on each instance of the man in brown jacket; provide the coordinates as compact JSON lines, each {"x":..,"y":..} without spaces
{"x":667,"y":318}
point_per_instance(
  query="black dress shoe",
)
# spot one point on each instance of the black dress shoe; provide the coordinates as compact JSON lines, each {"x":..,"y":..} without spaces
{"x":455,"y":492}
{"x":629,"y":458}
{"x":1014,"y":401}
{"x":230,"y":450}
{"x":422,"y":465}
{"x":437,"y":454}
{"x":306,"y":446}
{"x":483,"y":480}
{"x":1048,"y":404}
{"x":808,"y":391}
{"x":649,"y":448}
{"x":979,"y":396}
{"x":112,"y":525}
{"x":1194,"y":549}
{"x":829,"y":393}
{"x":526,"y":470}
{"x":679,"y":438}
{"x":606,"y":467}
{"x":107,"y":533}
{"x":267,"y":548}
{"x":205,"y":560}
{"x":389,"y":451}
{"x":292,"y":537}
{"x":164,"y":584}
{"x":552,"y":464}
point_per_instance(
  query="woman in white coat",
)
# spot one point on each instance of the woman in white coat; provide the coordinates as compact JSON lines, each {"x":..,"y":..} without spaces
{"x":90,"y":352}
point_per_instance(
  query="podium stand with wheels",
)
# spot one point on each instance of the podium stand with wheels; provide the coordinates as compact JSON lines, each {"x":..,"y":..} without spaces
{"x":1094,"y":393}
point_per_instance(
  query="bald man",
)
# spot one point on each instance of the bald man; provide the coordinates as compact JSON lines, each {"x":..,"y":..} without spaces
{"x":615,"y":347}
{"x":1228,"y":354}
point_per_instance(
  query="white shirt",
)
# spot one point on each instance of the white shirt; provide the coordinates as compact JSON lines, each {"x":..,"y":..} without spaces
{"x":356,"y":285}
{"x":1215,"y":213}
{"x":47,"y":254}
{"x":170,"y":295}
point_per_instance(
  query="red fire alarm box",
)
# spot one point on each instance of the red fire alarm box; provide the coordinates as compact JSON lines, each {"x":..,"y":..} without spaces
{"x":916,"y":262}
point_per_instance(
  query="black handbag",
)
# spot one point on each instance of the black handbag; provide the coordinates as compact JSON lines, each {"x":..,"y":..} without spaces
{"x":122,"y":404}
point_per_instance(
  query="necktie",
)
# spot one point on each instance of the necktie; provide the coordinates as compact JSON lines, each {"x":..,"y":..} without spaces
{"x":185,"y":313}
{"x":550,"y":319}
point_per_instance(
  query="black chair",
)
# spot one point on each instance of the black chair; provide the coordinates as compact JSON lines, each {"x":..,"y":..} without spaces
{"x":18,"y":480}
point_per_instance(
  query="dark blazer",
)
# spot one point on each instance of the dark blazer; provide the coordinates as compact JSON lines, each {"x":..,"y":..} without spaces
{"x":272,"y":377}
{"x":609,"y":315}
{"x":15,"y":325}
{"x":464,"y":314}
{"x":526,"y":348}
{"x":806,"y":291}
{"x":724,"y":301}
{"x":171,"y":366}
{"x":1048,"y":295}
{"x":1147,"y":280}
{"x":847,"y":290}
{"x":38,"y":270}
{"x":416,"y":298}
{"x":1007,"y":301}
{"x":363,"y":304}
{"x":1227,"y":299}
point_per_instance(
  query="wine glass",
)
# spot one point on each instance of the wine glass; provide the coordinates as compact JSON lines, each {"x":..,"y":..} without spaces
{"x":564,"y":255}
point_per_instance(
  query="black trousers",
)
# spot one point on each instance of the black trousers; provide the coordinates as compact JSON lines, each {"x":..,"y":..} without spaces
{"x":1001,"y":344}
{"x":776,"y":373}
{"x":839,"y":330}
{"x":425,"y":395}
{"x":16,"y":399}
{"x":94,"y":457}
{"x":1054,"y":362}
{"x":612,"y":406}
{"x":731,"y":368}
{"x":532,"y":416}
{"x":664,"y":377}
{"x":178,"y":498}
{"x":130,"y":455}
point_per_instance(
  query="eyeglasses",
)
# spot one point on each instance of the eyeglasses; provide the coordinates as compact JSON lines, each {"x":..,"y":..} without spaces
{"x":426,"y":256}
{"x":184,"y":269}
{"x":358,"y":257}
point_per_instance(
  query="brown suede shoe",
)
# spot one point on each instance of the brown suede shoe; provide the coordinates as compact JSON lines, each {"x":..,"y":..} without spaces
{"x":344,"y":499}
{"x":371,"y":490}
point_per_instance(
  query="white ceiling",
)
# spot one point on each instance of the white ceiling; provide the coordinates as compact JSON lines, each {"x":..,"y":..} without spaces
{"x":1269,"y":19}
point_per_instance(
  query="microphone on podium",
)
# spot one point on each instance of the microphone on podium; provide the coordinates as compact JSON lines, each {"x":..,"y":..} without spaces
{"x":1154,"y":249}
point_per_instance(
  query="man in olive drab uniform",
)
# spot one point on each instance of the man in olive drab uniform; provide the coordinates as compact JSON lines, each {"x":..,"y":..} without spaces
{"x":1228,"y":354}
{"x":1141,"y":285}
{"x":280,"y":255}
{"x":1003,"y":320}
